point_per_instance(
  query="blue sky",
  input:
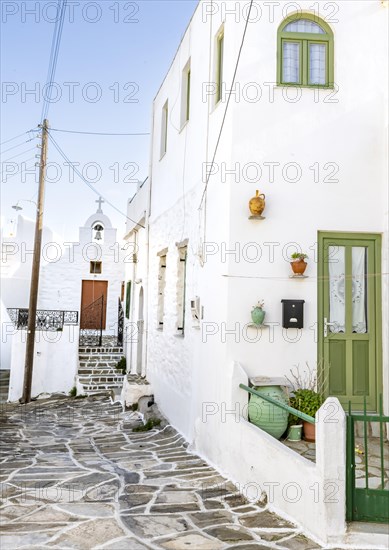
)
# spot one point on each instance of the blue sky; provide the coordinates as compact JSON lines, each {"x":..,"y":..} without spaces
{"x":113,"y":57}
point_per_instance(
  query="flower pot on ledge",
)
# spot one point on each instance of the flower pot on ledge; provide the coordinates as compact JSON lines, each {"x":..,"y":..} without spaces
{"x":299,"y":266}
{"x":258,"y":315}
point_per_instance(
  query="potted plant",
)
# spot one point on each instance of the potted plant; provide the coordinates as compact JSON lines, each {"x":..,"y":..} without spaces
{"x":299,"y":265}
{"x":306,"y":396}
{"x":258,"y":313}
{"x":307,"y":401}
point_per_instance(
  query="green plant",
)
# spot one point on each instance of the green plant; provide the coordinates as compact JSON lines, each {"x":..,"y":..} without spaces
{"x":122,"y":365}
{"x":150,"y":424}
{"x":134,"y":407}
{"x":73,"y":392}
{"x":299,"y":256}
{"x":306,"y":401}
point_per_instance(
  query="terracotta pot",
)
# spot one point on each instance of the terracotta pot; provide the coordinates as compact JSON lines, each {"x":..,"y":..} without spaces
{"x":309,"y":432}
{"x":257,"y":204}
{"x":299,"y":266}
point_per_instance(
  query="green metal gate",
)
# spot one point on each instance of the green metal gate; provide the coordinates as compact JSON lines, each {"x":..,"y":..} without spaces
{"x":364,"y":502}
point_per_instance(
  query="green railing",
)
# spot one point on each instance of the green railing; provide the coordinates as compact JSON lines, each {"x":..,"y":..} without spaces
{"x":279,"y":404}
{"x":366,"y":503}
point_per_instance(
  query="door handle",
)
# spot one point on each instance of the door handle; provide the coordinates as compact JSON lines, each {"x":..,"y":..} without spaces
{"x":326,"y":325}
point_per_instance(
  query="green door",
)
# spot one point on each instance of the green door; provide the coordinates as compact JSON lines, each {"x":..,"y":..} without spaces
{"x":349,"y":320}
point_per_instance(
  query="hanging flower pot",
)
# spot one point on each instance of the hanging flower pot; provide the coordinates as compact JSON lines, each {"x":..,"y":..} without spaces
{"x":257,"y":204}
{"x":299,"y":265}
{"x":258,"y":313}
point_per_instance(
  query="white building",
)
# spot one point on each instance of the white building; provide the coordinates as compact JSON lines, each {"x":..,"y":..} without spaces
{"x":80,"y":288}
{"x":303,"y":124}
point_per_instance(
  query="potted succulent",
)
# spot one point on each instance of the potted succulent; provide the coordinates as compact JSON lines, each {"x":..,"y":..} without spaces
{"x":307,"y":401}
{"x":299,"y":265}
{"x":258,"y":313}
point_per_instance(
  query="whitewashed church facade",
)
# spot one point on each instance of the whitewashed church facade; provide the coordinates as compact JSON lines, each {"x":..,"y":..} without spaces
{"x":304,"y":127}
{"x":81,"y":285}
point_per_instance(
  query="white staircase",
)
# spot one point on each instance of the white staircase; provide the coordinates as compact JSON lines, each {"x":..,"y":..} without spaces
{"x":97,"y":370}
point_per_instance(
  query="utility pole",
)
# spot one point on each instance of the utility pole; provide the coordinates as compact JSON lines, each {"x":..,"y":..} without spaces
{"x":29,"y":361}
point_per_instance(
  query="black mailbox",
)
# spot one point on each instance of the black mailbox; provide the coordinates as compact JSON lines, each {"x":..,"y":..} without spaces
{"x":293,"y":313}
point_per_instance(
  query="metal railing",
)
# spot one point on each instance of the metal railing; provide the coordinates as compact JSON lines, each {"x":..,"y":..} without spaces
{"x":368,"y":503}
{"x":91,"y":325}
{"x":46,"y":319}
{"x":279,"y":404}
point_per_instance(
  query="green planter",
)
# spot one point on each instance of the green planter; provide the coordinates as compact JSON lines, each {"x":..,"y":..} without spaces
{"x":258,"y":315}
{"x":265,"y":415}
{"x":294,"y":433}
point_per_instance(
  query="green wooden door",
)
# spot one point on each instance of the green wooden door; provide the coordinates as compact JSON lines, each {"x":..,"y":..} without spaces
{"x":350,"y":317}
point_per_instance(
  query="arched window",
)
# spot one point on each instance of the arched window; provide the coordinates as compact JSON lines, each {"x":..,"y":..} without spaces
{"x":305,"y":52}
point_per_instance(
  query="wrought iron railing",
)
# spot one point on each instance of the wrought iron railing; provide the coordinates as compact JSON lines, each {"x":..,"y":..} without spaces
{"x":91,"y":325}
{"x":46,"y":319}
{"x":120,"y":323}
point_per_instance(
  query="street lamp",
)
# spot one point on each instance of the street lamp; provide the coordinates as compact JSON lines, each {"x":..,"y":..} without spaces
{"x":18,"y":208}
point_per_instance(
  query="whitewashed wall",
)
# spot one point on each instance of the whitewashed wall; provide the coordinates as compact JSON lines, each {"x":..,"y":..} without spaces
{"x":55,"y":362}
{"x":346,"y":129}
{"x":15,"y":271}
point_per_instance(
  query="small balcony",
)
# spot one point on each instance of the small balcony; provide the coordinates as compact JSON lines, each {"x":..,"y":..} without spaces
{"x":46,"y":319}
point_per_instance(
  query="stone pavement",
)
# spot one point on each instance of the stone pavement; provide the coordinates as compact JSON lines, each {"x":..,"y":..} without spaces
{"x":75,"y":475}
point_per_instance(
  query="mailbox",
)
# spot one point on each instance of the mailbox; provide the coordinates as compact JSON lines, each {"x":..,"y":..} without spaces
{"x":293,"y":313}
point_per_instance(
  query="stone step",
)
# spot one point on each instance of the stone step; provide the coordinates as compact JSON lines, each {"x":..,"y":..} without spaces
{"x":100,"y":357}
{"x":100,"y":350}
{"x":100,"y":379}
{"x":98,"y":370}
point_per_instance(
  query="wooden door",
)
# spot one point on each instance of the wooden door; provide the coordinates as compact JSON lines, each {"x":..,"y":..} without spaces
{"x":93,"y":304}
{"x":350,"y":338}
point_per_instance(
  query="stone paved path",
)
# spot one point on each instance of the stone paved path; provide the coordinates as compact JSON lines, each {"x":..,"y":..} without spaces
{"x":75,"y":475}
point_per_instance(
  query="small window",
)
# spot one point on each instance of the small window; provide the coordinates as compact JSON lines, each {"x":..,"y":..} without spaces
{"x":181,"y":288}
{"x":305,"y":52}
{"x":161,"y":291}
{"x":219,"y":65}
{"x":128,"y":299}
{"x":96,"y":268}
{"x":185,"y":94}
{"x":164,"y":122}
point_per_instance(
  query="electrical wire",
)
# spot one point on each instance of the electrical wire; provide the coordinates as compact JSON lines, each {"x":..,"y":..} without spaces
{"x":55,"y":46}
{"x":11,"y":139}
{"x":16,"y":146}
{"x":16,"y":173}
{"x":100,"y":133}
{"x":14,"y":157}
{"x":63,"y":155}
{"x":228,"y":102}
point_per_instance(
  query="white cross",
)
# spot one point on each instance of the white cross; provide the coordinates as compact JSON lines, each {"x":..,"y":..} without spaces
{"x":100,"y":200}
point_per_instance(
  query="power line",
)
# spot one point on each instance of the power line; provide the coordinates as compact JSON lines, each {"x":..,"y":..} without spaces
{"x":55,"y":46}
{"x":100,"y":133}
{"x":16,"y":146}
{"x":16,"y":173}
{"x":14,"y":157}
{"x":228,"y":102}
{"x":63,"y":155}
{"x":11,"y":139}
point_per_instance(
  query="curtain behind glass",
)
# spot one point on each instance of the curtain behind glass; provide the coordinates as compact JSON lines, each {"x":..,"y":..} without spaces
{"x":336,"y":266}
{"x":291,"y":62}
{"x":317,"y":64}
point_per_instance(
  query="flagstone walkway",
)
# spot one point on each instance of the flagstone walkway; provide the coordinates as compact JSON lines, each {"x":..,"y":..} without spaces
{"x":75,"y":475}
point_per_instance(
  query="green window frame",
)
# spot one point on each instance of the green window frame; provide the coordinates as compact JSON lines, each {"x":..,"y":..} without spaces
{"x":304,"y":40}
{"x":128,"y":299}
{"x":219,"y":65}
